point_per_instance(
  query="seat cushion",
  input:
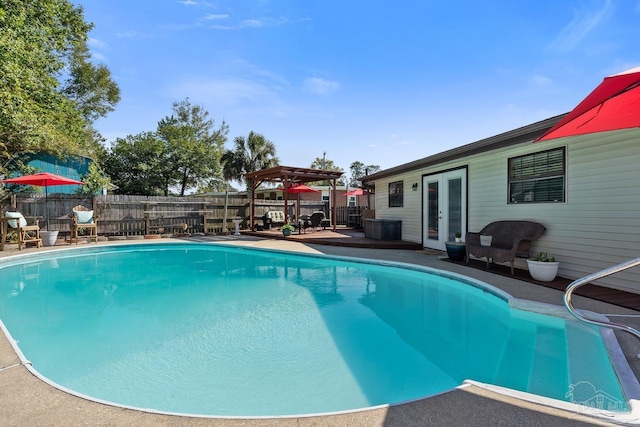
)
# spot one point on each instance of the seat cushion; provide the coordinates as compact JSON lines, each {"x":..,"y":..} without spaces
{"x":19,"y":219}
{"x":84,"y":217}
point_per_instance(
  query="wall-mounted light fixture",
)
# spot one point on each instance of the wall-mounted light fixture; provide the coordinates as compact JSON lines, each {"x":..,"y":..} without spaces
{"x":414,"y":186}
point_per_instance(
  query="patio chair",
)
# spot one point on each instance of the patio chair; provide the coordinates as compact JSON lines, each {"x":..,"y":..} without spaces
{"x":25,"y":234}
{"x":316,"y":219}
{"x":83,"y":219}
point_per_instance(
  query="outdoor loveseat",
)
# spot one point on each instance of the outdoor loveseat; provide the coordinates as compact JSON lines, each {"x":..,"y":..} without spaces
{"x":509,"y":239}
{"x":272,"y":219}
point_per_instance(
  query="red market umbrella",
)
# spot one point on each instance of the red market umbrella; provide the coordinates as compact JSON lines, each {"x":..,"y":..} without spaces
{"x":356,"y":192}
{"x":300,"y":188}
{"x":43,"y":179}
{"x":614,"y":104}
{"x":297,"y":189}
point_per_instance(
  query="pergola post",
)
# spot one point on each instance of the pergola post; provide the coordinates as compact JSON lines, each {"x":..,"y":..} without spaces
{"x":334,"y":208}
{"x":285,"y":193}
{"x":252,"y":208}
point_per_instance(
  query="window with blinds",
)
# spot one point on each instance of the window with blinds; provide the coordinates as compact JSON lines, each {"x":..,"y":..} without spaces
{"x":538,"y":177}
{"x":396,"y":195}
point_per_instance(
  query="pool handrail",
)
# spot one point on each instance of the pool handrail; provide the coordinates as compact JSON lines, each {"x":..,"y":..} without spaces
{"x":594,"y":276}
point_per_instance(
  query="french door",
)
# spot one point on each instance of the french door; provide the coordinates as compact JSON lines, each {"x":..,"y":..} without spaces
{"x":444,"y":210}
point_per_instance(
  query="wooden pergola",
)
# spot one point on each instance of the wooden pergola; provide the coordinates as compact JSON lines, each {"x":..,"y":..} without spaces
{"x":288,"y":176}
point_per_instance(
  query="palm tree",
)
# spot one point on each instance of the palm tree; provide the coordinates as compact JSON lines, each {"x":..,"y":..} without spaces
{"x":248,"y":155}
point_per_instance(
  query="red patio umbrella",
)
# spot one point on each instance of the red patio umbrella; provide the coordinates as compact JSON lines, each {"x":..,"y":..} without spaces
{"x":300,"y":188}
{"x":356,"y":192}
{"x":43,"y":179}
{"x":614,"y":104}
{"x":297,"y":189}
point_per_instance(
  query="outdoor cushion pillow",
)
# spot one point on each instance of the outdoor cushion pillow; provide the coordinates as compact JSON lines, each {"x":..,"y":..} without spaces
{"x":19,"y":219}
{"x":84,"y":217}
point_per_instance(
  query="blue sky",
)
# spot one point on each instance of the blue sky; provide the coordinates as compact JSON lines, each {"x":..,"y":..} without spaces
{"x":378,"y":82}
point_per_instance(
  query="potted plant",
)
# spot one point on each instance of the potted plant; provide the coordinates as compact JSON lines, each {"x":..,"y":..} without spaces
{"x":458,"y":236}
{"x":287,"y":229}
{"x":543,"y":267}
{"x":456,"y":251}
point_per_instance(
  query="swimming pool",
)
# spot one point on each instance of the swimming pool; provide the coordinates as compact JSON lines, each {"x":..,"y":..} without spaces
{"x":210,"y":330}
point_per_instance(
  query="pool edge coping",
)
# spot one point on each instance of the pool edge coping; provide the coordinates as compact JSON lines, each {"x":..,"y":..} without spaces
{"x":520,"y":303}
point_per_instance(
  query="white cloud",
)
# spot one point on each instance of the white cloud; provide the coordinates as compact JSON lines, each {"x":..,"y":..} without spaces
{"x":214,"y":17}
{"x":97,"y":43}
{"x":255,"y":23}
{"x":127,"y":34}
{"x":188,"y":2}
{"x":228,"y":91}
{"x":320,"y":86}
{"x":583,"y":22}
{"x":252,"y":23}
{"x":99,"y":57}
{"x":539,"y":80}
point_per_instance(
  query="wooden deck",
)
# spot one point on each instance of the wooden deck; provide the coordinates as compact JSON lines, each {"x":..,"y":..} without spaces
{"x":600,"y":293}
{"x":348,"y":237}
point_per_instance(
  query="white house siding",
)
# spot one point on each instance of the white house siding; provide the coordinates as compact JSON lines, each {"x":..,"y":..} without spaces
{"x":411,"y":213}
{"x":411,"y":223}
{"x":596,"y":227}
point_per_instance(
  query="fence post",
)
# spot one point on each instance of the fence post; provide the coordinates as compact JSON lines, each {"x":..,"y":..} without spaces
{"x":147,"y":224}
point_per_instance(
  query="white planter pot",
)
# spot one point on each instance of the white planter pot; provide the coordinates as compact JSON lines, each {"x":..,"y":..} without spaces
{"x":543,"y":271}
{"x":49,"y":237}
{"x":486,"y":240}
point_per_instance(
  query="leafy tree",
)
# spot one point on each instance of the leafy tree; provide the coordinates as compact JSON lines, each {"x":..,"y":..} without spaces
{"x":136,"y":165}
{"x":249,"y":154}
{"x":94,"y":180}
{"x":39,"y":42}
{"x":217,"y":185}
{"x":193,"y":147}
{"x":358,"y":170}
{"x":327,"y":165}
{"x":185,"y":151}
{"x":90,"y":86}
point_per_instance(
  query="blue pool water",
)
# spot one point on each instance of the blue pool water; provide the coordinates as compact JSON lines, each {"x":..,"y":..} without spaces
{"x":210,"y":330}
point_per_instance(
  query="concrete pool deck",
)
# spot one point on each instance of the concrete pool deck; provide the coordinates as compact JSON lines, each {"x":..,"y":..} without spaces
{"x":27,"y":400}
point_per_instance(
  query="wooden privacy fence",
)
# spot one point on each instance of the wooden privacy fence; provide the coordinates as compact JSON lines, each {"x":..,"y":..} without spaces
{"x":136,"y":215}
{"x":123,"y":215}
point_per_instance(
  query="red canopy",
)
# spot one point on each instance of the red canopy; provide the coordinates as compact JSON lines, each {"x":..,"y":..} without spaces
{"x":614,"y":104}
{"x":297,"y":189}
{"x":300,"y":188}
{"x":42,"y":179}
{"x":356,"y":192}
